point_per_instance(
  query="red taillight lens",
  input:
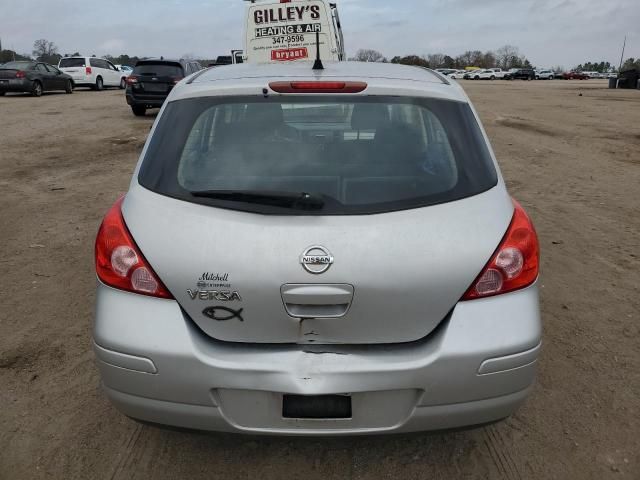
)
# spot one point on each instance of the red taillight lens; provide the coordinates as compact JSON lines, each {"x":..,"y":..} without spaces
{"x":132,"y":80}
{"x":88,"y":70}
{"x":119,"y":262}
{"x":318,"y":87}
{"x":176,"y":79}
{"x":20,"y":74}
{"x":515,"y":264}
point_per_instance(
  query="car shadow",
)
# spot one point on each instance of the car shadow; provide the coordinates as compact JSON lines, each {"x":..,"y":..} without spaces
{"x":27,"y":94}
{"x":444,"y":454}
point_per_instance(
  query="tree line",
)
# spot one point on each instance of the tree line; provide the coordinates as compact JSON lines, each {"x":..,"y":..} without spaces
{"x":505,"y":57}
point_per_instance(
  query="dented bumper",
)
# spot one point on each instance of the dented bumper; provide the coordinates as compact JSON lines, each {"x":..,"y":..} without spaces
{"x":477,"y":367}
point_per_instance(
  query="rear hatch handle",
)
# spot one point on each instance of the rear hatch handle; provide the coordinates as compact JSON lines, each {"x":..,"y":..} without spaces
{"x":317,"y":300}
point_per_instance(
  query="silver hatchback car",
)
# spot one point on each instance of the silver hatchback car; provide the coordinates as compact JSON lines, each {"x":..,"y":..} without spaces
{"x":326,"y":252}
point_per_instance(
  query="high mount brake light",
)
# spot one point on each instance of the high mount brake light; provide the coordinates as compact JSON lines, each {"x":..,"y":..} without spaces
{"x":318,"y":87}
{"x":119,"y":262}
{"x":514,"y":265}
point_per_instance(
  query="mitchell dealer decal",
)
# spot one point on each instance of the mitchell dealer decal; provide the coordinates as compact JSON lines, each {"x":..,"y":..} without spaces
{"x":214,"y":280}
{"x":216,"y":287}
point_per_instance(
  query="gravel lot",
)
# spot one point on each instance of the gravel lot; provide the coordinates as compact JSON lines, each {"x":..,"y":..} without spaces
{"x":570,"y":152}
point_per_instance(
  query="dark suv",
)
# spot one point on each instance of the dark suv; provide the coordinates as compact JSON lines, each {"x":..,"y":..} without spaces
{"x":524,"y":74}
{"x":152,"y":80}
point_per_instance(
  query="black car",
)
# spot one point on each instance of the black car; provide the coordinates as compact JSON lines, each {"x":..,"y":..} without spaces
{"x":151,"y":81}
{"x":33,"y":77}
{"x":524,"y":74}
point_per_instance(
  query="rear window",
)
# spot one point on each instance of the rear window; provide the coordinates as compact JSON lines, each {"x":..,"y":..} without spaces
{"x":72,"y":62}
{"x":17,"y":65}
{"x":159,"y":69}
{"x":360,"y":155}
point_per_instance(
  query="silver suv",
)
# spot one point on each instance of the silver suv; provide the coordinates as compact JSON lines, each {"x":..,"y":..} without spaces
{"x":317,"y":253}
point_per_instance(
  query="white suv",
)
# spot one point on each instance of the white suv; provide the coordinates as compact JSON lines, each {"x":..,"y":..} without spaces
{"x":96,"y":73}
{"x":545,"y":75}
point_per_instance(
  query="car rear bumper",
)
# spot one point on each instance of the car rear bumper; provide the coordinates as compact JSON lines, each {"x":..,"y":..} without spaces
{"x":148,"y":101}
{"x":477,"y":367}
{"x":15,"y":85}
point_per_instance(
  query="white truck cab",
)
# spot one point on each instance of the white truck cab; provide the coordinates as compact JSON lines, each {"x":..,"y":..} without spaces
{"x":285,"y":30}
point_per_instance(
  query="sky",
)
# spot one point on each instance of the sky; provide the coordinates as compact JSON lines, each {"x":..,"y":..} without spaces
{"x":549,"y":32}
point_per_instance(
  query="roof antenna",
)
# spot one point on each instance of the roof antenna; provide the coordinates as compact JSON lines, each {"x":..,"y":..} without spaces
{"x":318,"y":63}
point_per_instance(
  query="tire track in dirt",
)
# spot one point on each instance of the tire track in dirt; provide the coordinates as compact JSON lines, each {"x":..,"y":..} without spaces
{"x":500,"y":453}
{"x":126,"y":452}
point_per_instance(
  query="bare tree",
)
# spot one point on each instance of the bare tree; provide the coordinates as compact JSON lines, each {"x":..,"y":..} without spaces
{"x":436,"y":60}
{"x":470,"y":59}
{"x":508,"y":57}
{"x":367,"y":55}
{"x":43,"y":49}
{"x":488,"y":60}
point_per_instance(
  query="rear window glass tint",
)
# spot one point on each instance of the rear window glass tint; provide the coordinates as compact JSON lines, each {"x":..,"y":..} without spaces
{"x":17,"y":65}
{"x":159,"y":69}
{"x":72,"y":62}
{"x":361,"y":156}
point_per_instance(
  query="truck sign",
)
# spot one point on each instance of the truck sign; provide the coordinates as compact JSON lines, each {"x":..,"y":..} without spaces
{"x":284,"y":32}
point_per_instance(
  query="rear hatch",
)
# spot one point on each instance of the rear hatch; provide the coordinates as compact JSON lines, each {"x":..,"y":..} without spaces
{"x":156,"y":77}
{"x":76,"y":67}
{"x":318,"y":220}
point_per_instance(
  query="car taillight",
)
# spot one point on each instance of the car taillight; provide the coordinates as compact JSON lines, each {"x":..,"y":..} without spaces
{"x":132,"y":80}
{"x":176,"y":79}
{"x":88,"y":70}
{"x":318,"y":87}
{"x":119,"y":262}
{"x":514,"y":265}
{"x":20,"y":74}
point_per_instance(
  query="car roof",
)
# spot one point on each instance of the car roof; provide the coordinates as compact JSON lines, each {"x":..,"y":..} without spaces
{"x":382,"y":78}
{"x":181,"y":61}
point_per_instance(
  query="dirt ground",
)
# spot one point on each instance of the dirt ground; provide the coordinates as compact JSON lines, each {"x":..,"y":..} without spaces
{"x":570,"y":152}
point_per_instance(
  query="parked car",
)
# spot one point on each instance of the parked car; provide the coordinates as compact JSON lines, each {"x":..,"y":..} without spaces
{"x":500,"y":74}
{"x":575,"y":76}
{"x":92,"y":72}
{"x":242,"y":286}
{"x":152,"y":81}
{"x":523,"y":74}
{"x":545,"y":75}
{"x":457,"y":75}
{"x":33,"y":77}
{"x":126,"y":69}
{"x":480,"y":75}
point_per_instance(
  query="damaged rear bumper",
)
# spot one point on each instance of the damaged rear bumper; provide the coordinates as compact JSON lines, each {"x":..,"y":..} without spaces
{"x":477,"y":367}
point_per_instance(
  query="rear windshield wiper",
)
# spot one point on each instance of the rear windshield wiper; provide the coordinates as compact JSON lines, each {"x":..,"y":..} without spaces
{"x":298,"y":201}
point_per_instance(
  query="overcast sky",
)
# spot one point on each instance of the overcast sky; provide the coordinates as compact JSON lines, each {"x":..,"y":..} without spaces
{"x":549,"y":32}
